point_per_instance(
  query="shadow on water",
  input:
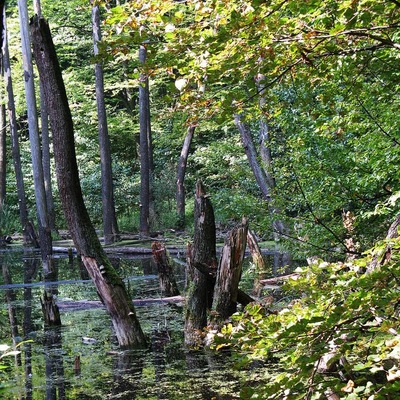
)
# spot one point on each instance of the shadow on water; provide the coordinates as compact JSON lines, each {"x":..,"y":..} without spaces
{"x":81,"y":359}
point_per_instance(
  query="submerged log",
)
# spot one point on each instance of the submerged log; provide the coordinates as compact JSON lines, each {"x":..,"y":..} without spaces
{"x":229,"y":274}
{"x":79,"y":305}
{"x":166,"y":275}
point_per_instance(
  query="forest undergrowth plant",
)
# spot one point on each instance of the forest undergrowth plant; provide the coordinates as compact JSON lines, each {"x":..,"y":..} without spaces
{"x":338,"y":339}
{"x":9,"y":220}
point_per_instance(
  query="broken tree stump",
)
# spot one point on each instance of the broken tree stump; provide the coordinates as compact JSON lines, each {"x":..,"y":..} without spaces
{"x":202,"y":266}
{"x":166,"y":276}
{"x":229,"y":274}
{"x":258,"y":261}
{"x":50,"y":310}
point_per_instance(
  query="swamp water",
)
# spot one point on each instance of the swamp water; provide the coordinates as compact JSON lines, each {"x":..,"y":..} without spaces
{"x":81,"y":359}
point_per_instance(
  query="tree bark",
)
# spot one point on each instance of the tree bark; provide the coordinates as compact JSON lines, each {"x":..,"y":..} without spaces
{"x":264,"y":136}
{"x":34,"y":138}
{"x":229,"y":274}
{"x":44,"y":119}
{"x":202,"y":267}
{"x":382,"y":257}
{"x":265,"y":182}
{"x":16,"y":155}
{"x":110,"y":226}
{"x":180,"y":181}
{"x":258,"y":262}
{"x":3,"y":150}
{"x":144,"y":149}
{"x":110,"y":286}
{"x":166,"y":276}
{"x":251,"y":154}
{"x":50,"y":310}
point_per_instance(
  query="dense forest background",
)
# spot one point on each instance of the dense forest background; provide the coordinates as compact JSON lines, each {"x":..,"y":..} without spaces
{"x":314,"y":84}
{"x":287,"y":111}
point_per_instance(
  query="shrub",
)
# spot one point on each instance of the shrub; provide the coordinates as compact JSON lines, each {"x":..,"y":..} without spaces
{"x":339,"y":336}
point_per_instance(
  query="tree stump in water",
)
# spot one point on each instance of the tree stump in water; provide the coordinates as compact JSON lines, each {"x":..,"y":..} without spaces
{"x":166,"y":275}
{"x":229,"y":274}
{"x":258,"y":262}
{"x":202,"y":265}
{"x":50,"y":310}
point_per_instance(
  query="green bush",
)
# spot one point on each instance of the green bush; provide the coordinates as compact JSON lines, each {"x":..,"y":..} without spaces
{"x":341,"y":317}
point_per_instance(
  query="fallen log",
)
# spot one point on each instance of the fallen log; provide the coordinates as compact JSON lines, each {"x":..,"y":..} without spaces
{"x":279,"y":279}
{"x":80,"y":305}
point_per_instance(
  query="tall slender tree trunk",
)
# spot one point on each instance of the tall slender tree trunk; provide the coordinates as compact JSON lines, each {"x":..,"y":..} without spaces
{"x":3,"y":149}
{"x":37,"y":167}
{"x":110,"y":226}
{"x":144,"y":114}
{"x":180,"y":181}
{"x":44,"y":122}
{"x":110,"y":286}
{"x":23,"y":212}
{"x":251,"y":154}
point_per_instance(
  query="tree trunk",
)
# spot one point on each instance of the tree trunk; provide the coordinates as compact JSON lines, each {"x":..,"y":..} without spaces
{"x":37,"y":167}
{"x":265,"y":147}
{"x":202,"y":267}
{"x":180,"y":181}
{"x":3,"y":151}
{"x":110,"y":287}
{"x":265,"y":182}
{"x":44,"y":119}
{"x":251,"y":154}
{"x":50,"y":310}
{"x":258,"y":262}
{"x":23,"y":212}
{"x":229,"y":274}
{"x":110,"y":226}
{"x":382,"y":257}
{"x":144,"y":149}
{"x":166,"y":276}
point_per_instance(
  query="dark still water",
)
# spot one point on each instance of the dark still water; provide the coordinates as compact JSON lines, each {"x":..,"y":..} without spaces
{"x":81,"y":359}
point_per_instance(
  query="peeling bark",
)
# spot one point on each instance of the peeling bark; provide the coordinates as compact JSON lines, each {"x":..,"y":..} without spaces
{"x":229,"y":274}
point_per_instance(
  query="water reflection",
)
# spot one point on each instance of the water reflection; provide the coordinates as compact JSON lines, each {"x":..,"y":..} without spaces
{"x":58,"y":364}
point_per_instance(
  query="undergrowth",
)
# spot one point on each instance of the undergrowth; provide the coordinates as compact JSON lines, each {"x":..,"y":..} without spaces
{"x":338,"y":339}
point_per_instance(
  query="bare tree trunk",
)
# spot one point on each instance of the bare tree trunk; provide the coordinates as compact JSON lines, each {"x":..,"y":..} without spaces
{"x":265,"y":147}
{"x":37,"y":167}
{"x":144,"y":149}
{"x":258,"y":262}
{"x":229,"y":274}
{"x":44,"y":119}
{"x":166,"y":275}
{"x":110,"y":226}
{"x":110,"y":286}
{"x":381,"y":257}
{"x":202,"y":267}
{"x":23,"y":212}
{"x":3,"y":150}
{"x":251,"y":154}
{"x":266,"y":184}
{"x":180,"y":181}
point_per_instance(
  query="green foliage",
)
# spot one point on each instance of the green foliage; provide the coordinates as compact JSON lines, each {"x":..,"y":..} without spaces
{"x":9,"y":220}
{"x":341,"y":317}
